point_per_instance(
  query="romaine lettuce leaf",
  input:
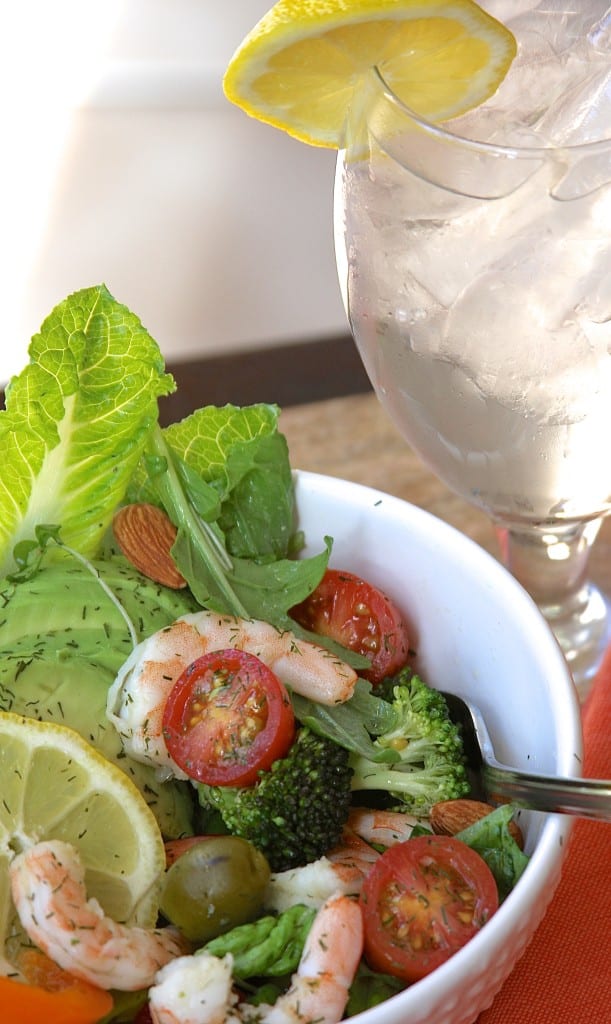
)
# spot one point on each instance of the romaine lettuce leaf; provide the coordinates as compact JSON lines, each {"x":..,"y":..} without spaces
{"x":206,"y":437}
{"x":76,"y":422}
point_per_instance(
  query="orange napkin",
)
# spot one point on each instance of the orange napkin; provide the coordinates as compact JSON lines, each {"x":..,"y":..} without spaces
{"x":564,"y":976}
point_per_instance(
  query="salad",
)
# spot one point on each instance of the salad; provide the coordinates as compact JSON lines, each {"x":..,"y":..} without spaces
{"x":261,"y":706}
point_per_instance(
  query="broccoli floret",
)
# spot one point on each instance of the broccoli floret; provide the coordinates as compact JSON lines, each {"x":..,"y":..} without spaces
{"x":296,"y":811}
{"x":430,"y":765}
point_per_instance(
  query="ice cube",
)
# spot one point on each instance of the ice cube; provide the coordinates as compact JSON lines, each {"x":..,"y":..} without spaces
{"x":599,"y":37}
{"x":582,"y":113}
{"x":564,"y":26}
{"x":558,"y":51}
{"x":519,"y":323}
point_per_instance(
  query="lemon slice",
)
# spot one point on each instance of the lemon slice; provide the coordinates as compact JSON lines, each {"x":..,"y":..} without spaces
{"x":299,"y":67}
{"x":53,"y":785}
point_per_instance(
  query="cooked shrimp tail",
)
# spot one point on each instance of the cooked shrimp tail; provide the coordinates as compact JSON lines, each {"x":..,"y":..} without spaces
{"x":198,"y":990}
{"x":319,"y":990}
{"x":48,"y":890}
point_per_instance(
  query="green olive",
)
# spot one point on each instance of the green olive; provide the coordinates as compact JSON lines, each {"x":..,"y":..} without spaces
{"x":214,"y":886}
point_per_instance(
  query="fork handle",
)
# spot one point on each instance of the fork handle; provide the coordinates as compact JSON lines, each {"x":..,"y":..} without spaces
{"x":585,"y":798}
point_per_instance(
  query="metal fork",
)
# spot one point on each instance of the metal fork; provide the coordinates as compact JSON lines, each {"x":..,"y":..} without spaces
{"x":501,"y":784}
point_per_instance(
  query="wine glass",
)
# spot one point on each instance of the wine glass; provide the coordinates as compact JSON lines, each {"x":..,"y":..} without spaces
{"x":475,"y":265}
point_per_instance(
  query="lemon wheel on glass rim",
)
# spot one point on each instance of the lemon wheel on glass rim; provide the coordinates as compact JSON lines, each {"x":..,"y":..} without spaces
{"x":299,"y":67}
{"x":54,"y":785}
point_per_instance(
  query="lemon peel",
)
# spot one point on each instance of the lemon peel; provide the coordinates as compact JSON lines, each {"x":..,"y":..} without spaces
{"x":300,"y":66}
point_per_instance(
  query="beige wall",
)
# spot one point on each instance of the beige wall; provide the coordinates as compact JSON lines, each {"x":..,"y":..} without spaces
{"x":127,"y":165}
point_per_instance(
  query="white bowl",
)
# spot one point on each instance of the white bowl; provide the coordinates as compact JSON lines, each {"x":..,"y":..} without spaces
{"x":478,"y":634}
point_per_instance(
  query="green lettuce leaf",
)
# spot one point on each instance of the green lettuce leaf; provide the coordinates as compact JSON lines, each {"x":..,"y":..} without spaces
{"x":369,"y":989}
{"x":269,"y":947}
{"x":491,"y":838}
{"x":223,"y":477}
{"x":353,"y":724}
{"x":240,"y":454}
{"x":76,"y":422}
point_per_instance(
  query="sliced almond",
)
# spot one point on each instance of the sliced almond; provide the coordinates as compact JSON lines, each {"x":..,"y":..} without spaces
{"x":145,"y":535}
{"x":451,"y":816}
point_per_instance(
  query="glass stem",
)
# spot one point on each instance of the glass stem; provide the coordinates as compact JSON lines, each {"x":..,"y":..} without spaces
{"x":551,"y":563}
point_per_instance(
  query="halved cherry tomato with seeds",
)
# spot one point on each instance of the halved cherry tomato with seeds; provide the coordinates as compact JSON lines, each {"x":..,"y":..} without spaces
{"x":422,"y":901}
{"x":227,"y":718}
{"x":360,"y":616}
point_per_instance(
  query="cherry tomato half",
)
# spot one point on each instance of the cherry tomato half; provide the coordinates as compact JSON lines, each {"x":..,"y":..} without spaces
{"x":227,"y":717}
{"x":422,"y":901}
{"x":358,"y":615}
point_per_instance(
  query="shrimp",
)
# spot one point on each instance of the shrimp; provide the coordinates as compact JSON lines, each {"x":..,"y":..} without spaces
{"x":198,"y":989}
{"x":48,"y":890}
{"x":194,"y":990}
{"x":333,"y":949}
{"x":137,"y":698}
{"x":342,"y":869}
{"x":315,"y":882}
{"x":382,"y":827}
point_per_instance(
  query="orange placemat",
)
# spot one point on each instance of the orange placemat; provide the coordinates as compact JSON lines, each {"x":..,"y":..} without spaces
{"x":564,"y":976}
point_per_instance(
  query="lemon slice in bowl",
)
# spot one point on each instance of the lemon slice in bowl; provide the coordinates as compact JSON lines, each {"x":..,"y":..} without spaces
{"x":54,"y":785}
{"x":299,"y":67}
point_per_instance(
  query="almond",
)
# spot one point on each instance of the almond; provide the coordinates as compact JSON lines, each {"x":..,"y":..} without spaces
{"x":145,"y":535}
{"x":451,"y":816}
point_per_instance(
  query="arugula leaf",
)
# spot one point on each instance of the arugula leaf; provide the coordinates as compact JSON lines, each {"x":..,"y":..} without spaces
{"x":272,"y":588}
{"x":491,"y":838}
{"x":76,"y":422}
{"x":258,"y":509}
{"x":351,"y":724}
{"x":199,"y":549}
{"x":252,"y":497}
